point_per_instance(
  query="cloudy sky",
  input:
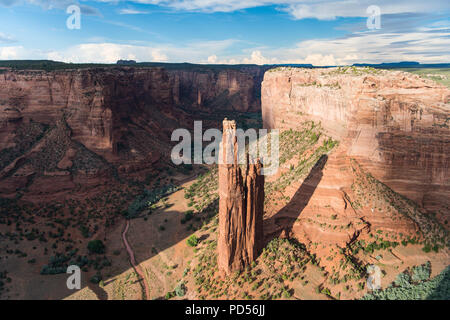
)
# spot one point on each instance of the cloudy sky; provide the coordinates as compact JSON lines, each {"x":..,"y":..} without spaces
{"x":320,"y":32}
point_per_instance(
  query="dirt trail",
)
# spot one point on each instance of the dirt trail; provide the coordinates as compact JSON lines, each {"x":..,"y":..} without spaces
{"x":136,"y":267}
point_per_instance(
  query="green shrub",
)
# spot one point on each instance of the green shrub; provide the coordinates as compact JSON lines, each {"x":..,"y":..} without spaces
{"x":192,"y":241}
{"x":180,"y":290}
{"x":96,"y":278}
{"x":96,"y":246}
{"x":421,"y":273}
{"x":402,"y":280}
{"x":437,"y":288}
{"x":187,"y":216}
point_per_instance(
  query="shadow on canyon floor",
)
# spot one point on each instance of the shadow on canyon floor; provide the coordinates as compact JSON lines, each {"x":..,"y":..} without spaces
{"x":158,"y":240}
{"x":281,"y":224}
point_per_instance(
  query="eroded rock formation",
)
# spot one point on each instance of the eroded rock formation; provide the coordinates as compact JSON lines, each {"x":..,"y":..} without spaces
{"x":241,"y":206}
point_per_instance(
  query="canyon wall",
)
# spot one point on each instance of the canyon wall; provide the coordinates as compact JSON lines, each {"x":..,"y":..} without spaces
{"x":210,"y":89}
{"x":395,"y":124}
{"x":69,"y":127}
{"x":95,"y":103}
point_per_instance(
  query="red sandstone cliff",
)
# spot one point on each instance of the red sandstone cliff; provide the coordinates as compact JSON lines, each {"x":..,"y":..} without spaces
{"x":394,"y":123}
{"x":70,"y":127}
{"x":212,"y":89}
{"x":394,"y":140}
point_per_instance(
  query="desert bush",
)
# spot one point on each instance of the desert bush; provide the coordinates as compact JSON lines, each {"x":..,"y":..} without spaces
{"x":421,"y":273}
{"x":96,"y":246}
{"x":180,"y":290}
{"x":192,"y":241}
{"x":422,"y":288}
{"x":96,"y":278}
{"x":187,"y":216}
{"x":403,"y":280}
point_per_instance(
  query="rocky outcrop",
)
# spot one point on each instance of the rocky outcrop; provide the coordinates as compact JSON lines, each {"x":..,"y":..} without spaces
{"x":394,"y":123}
{"x":241,"y":206}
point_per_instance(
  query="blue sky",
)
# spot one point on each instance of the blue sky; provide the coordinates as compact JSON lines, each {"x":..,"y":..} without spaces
{"x":226,"y":31}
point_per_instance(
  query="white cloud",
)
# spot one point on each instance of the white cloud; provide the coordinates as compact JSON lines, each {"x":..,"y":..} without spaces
{"x":107,"y":53}
{"x":371,"y":47}
{"x":11,"y":53}
{"x":257,"y":58}
{"x":55,"y":4}
{"x":6,"y":38}
{"x":426,"y":44}
{"x":212,"y":59}
{"x":132,"y":11}
{"x":300,"y":9}
{"x":328,"y":10}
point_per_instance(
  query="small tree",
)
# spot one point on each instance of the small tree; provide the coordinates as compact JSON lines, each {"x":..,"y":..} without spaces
{"x":96,"y":246}
{"x":180,"y":290}
{"x":192,"y":241}
{"x":96,"y":278}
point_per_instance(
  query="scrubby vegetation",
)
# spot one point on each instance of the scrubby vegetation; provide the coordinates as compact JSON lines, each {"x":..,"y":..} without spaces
{"x":301,"y":149}
{"x":440,"y":75}
{"x":283,"y":262}
{"x":96,"y":246}
{"x":415,"y":284}
{"x":372,"y":193}
{"x":148,"y":199}
{"x":26,"y":136}
{"x":203,"y":192}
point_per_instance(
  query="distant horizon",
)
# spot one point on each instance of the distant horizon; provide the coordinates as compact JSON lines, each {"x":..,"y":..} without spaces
{"x":130,"y":63}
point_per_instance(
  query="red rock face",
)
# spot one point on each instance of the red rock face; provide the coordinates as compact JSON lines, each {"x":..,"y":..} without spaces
{"x":394,"y":123}
{"x":211,"y":90}
{"x":121,"y":117}
{"x":241,"y":207}
{"x":67,"y":127}
{"x":392,"y":136}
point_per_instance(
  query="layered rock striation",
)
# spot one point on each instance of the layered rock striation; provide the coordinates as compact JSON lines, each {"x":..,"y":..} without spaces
{"x":388,"y":177}
{"x":78,"y":126}
{"x":394,"y":123}
{"x":218,"y":89}
{"x":241,"y":206}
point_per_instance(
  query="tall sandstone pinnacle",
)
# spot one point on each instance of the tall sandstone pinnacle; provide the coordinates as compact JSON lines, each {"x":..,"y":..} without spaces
{"x":241,"y":206}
